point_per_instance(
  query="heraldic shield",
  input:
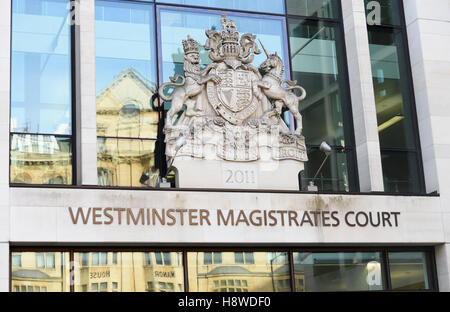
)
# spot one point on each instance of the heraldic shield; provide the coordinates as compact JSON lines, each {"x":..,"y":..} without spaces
{"x":233,"y":97}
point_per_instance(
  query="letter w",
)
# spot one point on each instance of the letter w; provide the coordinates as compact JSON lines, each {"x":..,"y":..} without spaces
{"x":79,"y":212}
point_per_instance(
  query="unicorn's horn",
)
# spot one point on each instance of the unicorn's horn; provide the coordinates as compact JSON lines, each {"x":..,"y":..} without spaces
{"x":265,"y":51}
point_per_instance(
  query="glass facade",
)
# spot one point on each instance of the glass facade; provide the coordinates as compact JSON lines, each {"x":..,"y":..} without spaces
{"x":229,"y":270}
{"x":344,"y":271}
{"x":126,"y":80}
{"x":41,"y":93}
{"x":397,"y":121}
{"x":268,"y":6}
{"x":128,"y":272}
{"x":138,"y":47}
{"x":408,"y":271}
{"x":316,"y":8}
{"x":318,"y":63}
{"x":316,"y":55}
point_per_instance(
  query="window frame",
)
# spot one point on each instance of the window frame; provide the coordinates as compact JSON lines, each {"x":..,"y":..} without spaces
{"x":74,"y":44}
{"x":428,"y":250}
{"x":402,"y":28}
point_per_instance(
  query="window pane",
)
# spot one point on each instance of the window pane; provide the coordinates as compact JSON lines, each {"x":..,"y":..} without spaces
{"x":33,"y":269}
{"x":132,"y":274}
{"x":40,"y":159}
{"x":249,"y":259}
{"x":239,"y":257}
{"x":392,"y":89}
{"x":260,"y":276}
{"x":50,"y":260}
{"x":343,"y":271}
{"x":147,"y":258}
{"x":318,"y":8}
{"x":123,"y":162}
{"x":390,"y":13}
{"x":104,"y":258}
{"x":40,"y":263}
{"x":207,"y":258}
{"x":95,"y":258}
{"x":175,"y":25}
{"x":400,"y":172}
{"x":16,"y":259}
{"x":167,"y":258}
{"x":158,"y":258}
{"x":270,"y":6}
{"x":125,"y":69}
{"x":85,"y":259}
{"x":317,"y":65}
{"x":408,"y":271}
{"x":335,"y":175}
{"x":41,"y":67}
{"x":217,"y":257}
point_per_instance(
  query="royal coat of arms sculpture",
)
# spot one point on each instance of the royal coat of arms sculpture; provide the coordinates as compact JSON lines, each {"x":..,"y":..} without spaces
{"x":232,"y":111}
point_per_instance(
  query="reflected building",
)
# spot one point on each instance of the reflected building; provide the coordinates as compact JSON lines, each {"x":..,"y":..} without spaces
{"x":128,"y":272}
{"x":40,"y":272}
{"x":127,"y":129}
{"x":239,"y":272}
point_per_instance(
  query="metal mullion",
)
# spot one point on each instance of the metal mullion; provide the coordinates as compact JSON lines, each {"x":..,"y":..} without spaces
{"x":42,"y":134}
{"x":314,"y":18}
{"x":72,"y":270}
{"x":185,"y":271}
{"x":126,"y":138}
{"x":74,"y":47}
{"x":385,"y":269}
{"x":292,"y":269}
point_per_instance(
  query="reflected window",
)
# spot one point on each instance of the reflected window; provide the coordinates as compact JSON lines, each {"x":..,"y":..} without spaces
{"x":16,"y":260}
{"x":238,"y":272}
{"x":212,"y":258}
{"x":409,"y":271}
{"x":134,"y":273}
{"x":342,"y":271}
{"x":244,"y":258}
{"x":45,"y":260}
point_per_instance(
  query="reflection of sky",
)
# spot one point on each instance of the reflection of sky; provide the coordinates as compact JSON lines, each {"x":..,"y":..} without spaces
{"x":124,"y":39}
{"x":269,"y":6}
{"x":41,"y":79}
{"x":176,"y":25}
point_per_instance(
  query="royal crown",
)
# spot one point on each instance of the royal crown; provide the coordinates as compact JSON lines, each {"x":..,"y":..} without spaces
{"x":230,"y":37}
{"x":190,"y":45}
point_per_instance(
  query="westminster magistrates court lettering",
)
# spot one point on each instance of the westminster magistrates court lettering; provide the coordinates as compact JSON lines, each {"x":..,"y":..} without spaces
{"x":229,"y":217}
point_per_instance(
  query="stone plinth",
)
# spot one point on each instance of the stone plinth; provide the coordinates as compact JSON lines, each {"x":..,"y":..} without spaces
{"x":260,"y":174}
